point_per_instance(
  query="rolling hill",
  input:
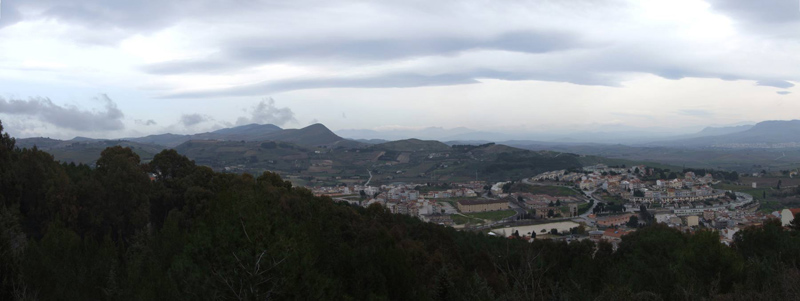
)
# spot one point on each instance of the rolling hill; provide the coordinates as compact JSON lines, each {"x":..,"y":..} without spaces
{"x":250,"y":132}
{"x":314,"y":155}
{"x":766,"y":134}
{"x":413,"y":145}
{"x":87,"y":150}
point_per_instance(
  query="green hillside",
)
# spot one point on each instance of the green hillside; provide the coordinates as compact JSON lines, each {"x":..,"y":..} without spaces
{"x":413,"y":145}
{"x":87,"y":152}
{"x":343,"y":161}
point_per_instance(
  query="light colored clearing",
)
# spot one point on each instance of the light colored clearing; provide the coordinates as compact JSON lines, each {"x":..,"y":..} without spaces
{"x":404,"y":157}
{"x":378,"y":155}
{"x":523,"y":230}
{"x":232,"y":149}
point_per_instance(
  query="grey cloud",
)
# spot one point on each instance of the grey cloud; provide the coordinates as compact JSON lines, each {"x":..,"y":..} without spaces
{"x":266,"y":112}
{"x":783,"y":92}
{"x":399,"y":80}
{"x":111,"y":21}
{"x":761,"y":11}
{"x":193,"y":119}
{"x":775,"y":83}
{"x":248,"y":52}
{"x":402,"y":80}
{"x":107,"y":21}
{"x":603,"y":67}
{"x":452,"y":33}
{"x":148,"y":122}
{"x":68,"y":117}
{"x":10,"y":14}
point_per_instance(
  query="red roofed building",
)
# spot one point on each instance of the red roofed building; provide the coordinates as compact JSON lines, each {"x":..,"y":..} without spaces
{"x":614,"y":234}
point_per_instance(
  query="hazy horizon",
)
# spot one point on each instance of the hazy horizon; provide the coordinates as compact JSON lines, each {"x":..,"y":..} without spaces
{"x":113,"y":69}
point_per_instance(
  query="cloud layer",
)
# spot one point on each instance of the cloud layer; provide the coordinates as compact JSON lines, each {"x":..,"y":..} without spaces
{"x":68,"y":117}
{"x":266,"y":112}
{"x":162,"y":58}
{"x":192,"y":119}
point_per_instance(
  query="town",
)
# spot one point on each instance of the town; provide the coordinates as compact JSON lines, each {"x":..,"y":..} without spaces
{"x":596,"y":202}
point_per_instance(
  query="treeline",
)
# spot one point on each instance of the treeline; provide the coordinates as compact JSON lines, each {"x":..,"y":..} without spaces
{"x":527,"y":162}
{"x":717,"y":174}
{"x":470,"y":147}
{"x":70,"y":232}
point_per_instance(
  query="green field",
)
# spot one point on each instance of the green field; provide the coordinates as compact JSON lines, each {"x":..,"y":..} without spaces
{"x":613,"y":199}
{"x":582,"y":208}
{"x":757,"y":193}
{"x":548,"y":190}
{"x":780,"y":204}
{"x":460,"y":219}
{"x":492,"y":215}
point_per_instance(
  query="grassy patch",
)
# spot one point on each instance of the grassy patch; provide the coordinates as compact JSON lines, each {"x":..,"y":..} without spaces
{"x":451,"y":202}
{"x":460,"y":219}
{"x":770,"y":206}
{"x":548,"y":190}
{"x":757,"y":193}
{"x":582,"y":208}
{"x":492,"y":215}
{"x":613,"y":199}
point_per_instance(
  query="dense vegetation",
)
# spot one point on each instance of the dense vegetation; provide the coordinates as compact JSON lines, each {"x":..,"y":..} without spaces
{"x":70,"y":232}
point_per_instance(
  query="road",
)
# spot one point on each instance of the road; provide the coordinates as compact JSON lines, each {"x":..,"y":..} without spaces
{"x":519,"y":211}
{"x":596,"y":200}
{"x":370,"y":177}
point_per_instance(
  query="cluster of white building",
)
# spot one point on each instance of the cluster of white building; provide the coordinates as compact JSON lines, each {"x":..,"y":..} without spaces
{"x":624,"y":181}
{"x":403,"y":198}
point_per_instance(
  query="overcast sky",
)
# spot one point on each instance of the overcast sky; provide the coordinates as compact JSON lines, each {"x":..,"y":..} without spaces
{"x":103,"y":68}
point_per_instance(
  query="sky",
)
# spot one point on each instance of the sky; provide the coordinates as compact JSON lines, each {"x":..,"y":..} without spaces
{"x":110,"y":69}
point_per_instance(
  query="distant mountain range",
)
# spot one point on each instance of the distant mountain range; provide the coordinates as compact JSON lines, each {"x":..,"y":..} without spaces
{"x":601,"y":134}
{"x":429,"y":133}
{"x":735,"y":147}
{"x":86,"y":150}
{"x":314,"y":155}
{"x":313,"y":135}
{"x":766,"y":134}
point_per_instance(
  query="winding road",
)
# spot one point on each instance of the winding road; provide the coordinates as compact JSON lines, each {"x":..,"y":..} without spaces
{"x":370,"y":178}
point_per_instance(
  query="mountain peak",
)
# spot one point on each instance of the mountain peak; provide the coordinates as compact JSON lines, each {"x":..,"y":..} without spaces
{"x":249,"y":129}
{"x":319,"y":126}
{"x":778,"y":124}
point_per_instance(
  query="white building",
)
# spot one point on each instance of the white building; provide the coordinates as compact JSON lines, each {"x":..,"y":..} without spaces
{"x":787,"y":215}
